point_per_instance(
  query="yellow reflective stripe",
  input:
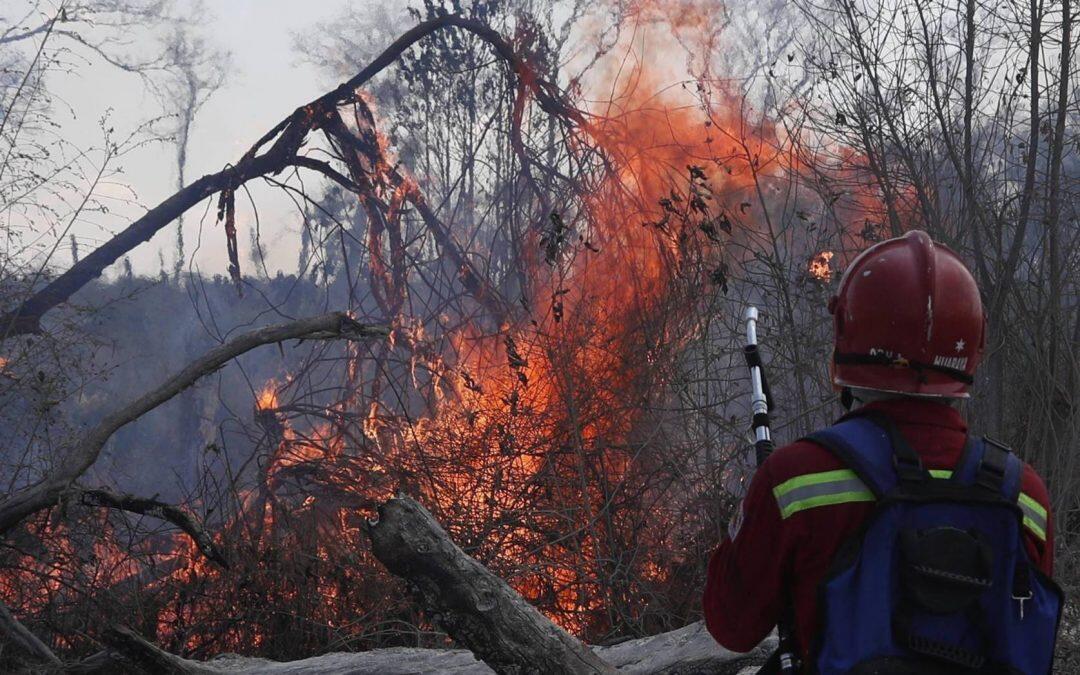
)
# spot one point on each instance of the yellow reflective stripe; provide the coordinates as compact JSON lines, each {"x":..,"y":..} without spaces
{"x":1035,"y":506}
{"x":1035,"y":529}
{"x":842,"y":486}
{"x":832,"y":476}
{"x":812,"y":479}
{"x":824,"y":488}
{"x":826,"y":500}
{"x":1034,"y":515}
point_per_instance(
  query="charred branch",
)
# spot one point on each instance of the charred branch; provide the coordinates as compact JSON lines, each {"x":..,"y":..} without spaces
{"x":351,"y":149}
{"x":288,"y":137}
{"x":333,"y":326}
{"x":327,"y":171}
{"x":477,"y":608}
{"x":158,"y":509}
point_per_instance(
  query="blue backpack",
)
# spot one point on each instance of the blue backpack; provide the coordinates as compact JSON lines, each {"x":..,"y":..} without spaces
{"x":939,"y":580}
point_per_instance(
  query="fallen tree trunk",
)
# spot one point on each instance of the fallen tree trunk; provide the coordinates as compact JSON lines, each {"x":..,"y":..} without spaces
{"x":480,"y":611}
{"x":687,"y":651}
{"x":475,"y":607}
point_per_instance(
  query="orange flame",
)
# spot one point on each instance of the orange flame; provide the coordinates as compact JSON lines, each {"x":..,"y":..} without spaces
{"x":267,"y":399}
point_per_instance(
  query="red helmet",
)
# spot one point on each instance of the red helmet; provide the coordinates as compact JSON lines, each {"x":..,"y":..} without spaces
{"x":908,"y":319}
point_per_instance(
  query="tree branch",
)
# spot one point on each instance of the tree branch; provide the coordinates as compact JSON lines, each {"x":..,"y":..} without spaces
{"x":349,"y":145}
{"x":157,"y":509}
{"x":39,"y":496}
{"x":327,"y":171}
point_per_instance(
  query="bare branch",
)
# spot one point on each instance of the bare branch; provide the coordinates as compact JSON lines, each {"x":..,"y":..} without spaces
{"x":473,"y":281}
{"x":326,"y":170}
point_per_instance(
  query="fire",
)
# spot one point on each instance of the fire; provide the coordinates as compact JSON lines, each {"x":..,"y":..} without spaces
{"x":821,"y":267}
{"x":266,"y":399}
{"x":543,"y":412}
{"x":534,"y":441}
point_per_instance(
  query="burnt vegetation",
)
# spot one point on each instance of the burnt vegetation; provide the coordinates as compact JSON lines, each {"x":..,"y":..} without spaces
{"x":520,"y":266}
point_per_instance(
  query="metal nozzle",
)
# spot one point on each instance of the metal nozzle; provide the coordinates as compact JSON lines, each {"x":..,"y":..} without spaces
{"x":751,"y":325}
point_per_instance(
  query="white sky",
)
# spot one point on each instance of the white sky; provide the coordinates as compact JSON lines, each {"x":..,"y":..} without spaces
{"x":266,"y":82}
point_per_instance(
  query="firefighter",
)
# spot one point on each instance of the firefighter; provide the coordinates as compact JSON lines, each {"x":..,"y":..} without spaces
{"x":895,"y":541}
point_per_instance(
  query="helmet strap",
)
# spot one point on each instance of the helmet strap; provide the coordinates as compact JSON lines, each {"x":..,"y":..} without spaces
{"x":900,"y":362}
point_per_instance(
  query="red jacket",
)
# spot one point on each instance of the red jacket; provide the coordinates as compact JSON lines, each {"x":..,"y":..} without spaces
{"x":770,"y":556}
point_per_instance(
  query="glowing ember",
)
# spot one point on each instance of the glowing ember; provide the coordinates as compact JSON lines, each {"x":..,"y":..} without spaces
{"x":821,"y":266}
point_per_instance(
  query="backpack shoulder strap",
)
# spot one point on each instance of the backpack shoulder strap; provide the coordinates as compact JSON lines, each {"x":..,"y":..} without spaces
{"x":1000,"y":468}
{"x":991,"y":465}
{"x":865,"y":448}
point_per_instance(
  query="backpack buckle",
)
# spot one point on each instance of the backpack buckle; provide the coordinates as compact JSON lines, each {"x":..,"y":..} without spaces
{"x":1020,"y":600}
{"x":1021,"y":587}
{"x":909,"y":468}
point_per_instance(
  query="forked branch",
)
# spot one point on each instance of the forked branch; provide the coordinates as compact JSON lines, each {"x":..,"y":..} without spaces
{"x":161,"y":510}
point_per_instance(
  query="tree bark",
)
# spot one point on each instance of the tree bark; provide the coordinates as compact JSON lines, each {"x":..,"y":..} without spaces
{"x":475,"y":607}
